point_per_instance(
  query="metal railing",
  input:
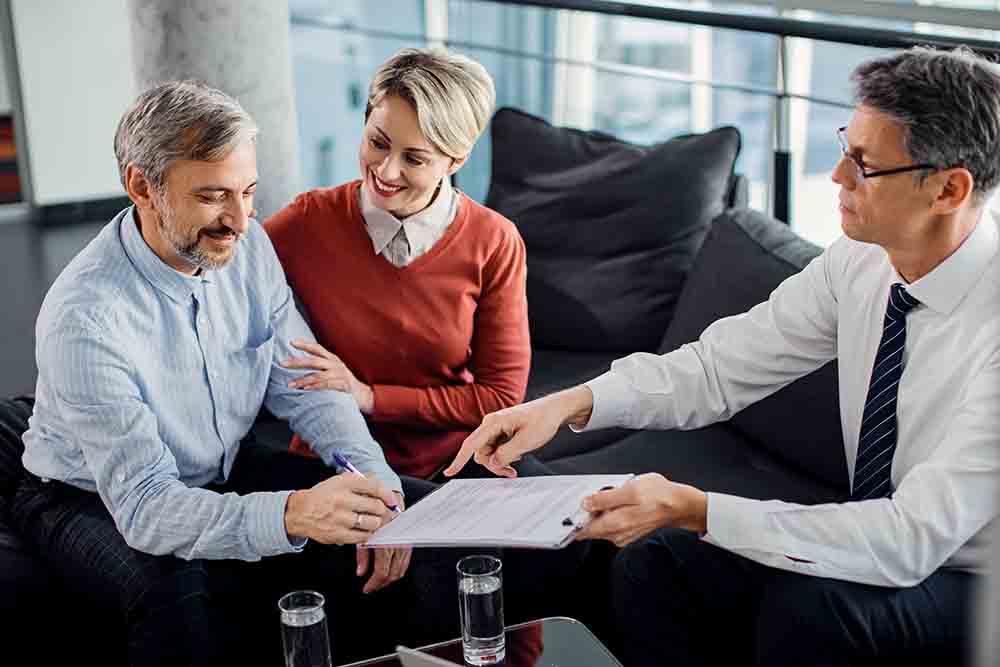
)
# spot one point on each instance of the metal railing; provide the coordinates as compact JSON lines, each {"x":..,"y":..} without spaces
{"x":780,"y":27}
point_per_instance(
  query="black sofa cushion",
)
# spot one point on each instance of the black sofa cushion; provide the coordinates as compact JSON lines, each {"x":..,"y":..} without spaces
{"x":611,"y":228}
{"x":553,"y":370}
{"x":715,"y":458}
{"x":14,"y":414}
{"x":745,"y":256}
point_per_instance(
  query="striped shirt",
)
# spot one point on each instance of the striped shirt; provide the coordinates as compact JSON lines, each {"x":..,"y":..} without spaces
{"x":149,"y":379}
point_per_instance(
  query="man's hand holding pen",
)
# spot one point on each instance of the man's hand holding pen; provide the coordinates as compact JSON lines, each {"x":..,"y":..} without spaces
{"x":347,"y":509}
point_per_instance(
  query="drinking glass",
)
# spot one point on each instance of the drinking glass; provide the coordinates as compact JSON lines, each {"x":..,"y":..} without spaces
{"x":480,"y":604}
{"x":303,"y":630}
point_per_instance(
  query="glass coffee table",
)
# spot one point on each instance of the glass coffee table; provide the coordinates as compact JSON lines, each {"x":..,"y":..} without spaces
{"x":549,"y":642}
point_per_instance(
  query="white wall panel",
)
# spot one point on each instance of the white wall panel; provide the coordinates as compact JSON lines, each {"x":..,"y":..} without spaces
{"x":75,"y":70}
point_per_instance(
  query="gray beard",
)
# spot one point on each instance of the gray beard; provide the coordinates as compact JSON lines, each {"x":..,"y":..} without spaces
{"x":188,"y":251}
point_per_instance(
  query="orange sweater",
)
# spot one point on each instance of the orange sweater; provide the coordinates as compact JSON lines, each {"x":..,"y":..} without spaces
{"x":442,"y":341}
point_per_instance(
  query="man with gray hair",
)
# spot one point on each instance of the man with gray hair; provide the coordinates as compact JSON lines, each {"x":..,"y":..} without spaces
{"x":157,"y":346}
{"x":908,"y":303}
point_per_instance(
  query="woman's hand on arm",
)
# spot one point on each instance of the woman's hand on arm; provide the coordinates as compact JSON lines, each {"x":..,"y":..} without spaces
{"x":331,"y":373}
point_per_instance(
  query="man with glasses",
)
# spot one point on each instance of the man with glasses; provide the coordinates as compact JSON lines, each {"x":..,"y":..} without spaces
{"x":908,"y":302}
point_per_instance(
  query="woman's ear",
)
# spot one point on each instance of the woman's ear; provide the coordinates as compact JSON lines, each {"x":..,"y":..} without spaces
{"x":456,"y":164}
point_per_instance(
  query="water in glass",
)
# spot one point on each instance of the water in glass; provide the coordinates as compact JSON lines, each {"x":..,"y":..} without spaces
{"x":304,"y":634}
{"x":481,"y":605}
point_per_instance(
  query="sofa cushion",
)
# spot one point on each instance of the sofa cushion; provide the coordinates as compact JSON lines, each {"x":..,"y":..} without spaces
{"x":553,"y":370}
{"x":14,"y":414}
{"x":715,"y":458}
{"x":745,"y":256}
{"x":567,"y":443}
{"x":611,"y":228}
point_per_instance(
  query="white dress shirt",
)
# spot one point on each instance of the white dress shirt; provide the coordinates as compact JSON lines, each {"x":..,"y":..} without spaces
{"x":422,"y":229}
{"x":946,"y":466}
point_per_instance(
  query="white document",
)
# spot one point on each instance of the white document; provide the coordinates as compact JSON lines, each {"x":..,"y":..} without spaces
{"x":536,"y":512}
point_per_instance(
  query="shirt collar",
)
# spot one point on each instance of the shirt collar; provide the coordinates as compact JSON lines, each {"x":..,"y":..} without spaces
{"x":422,"y":228}
{"x":168,"y":280}
{"x":947,"y":285}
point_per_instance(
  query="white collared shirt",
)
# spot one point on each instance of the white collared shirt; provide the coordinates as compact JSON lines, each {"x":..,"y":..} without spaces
{"x":946,"y":466}
{"x":423,"y":229}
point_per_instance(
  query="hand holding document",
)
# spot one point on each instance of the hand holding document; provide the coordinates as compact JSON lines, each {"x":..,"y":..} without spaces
{"x":535,"y":512}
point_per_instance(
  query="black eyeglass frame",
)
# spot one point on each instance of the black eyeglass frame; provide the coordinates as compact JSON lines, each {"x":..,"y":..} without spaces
{"x":841,"y":137}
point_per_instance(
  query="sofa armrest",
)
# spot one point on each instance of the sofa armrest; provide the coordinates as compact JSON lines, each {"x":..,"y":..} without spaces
{"x":739,"y":191}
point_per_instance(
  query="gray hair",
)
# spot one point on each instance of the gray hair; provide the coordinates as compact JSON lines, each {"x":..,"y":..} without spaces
{"x":179,"y":120}
{"x":949,"y":105}
{"x":453,"y":96}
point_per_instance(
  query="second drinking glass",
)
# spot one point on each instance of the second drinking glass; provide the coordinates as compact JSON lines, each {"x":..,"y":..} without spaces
{"x":480,"y":604}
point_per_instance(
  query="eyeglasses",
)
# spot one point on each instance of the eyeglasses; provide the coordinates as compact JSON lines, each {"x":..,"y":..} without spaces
{"x":860,"y":173}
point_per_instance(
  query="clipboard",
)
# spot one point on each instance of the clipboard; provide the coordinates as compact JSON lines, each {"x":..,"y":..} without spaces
{"x":526,"y":512}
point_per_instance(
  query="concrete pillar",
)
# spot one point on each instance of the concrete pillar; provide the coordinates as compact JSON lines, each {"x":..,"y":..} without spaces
{"x":240,"y":47}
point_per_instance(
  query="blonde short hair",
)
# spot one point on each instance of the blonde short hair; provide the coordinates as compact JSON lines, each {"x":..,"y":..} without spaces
{"x":453,"y":96}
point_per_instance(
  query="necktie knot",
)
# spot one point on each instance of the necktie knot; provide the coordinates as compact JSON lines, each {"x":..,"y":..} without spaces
{"x":900,"y":301}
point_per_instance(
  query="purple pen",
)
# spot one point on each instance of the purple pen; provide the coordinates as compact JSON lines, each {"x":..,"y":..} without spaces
{"x":347,"y":465}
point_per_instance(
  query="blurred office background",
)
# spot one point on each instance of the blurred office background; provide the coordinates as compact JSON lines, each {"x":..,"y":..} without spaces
{"x":643,"y":71}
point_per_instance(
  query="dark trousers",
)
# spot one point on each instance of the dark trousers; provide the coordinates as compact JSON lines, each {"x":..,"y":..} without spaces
{"x":682,"y":601}
{"x":204,"y":612}
{"x":179,"y":612}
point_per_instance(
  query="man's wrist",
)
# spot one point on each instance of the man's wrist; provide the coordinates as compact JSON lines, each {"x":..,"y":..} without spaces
{"x":579,"y":406}
{"x":293,"y":514}
{"x":698,"y":511}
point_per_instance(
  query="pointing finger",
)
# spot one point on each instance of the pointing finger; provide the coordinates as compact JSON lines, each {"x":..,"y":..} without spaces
{"x":479,"y":439}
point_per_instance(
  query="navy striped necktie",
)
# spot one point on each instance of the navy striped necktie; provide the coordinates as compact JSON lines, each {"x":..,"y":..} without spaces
{"x":877,"y":442}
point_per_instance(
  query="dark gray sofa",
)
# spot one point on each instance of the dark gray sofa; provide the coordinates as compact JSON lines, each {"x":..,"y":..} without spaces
{"x":709,"y":260}
{"x":639,"y":249}
{"x":788,"y":446}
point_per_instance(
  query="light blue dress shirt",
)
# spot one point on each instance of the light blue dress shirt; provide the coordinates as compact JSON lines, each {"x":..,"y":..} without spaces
{"x":149,"y":379}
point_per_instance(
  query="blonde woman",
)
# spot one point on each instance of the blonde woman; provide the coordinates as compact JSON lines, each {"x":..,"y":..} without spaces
{"x":415,"y":292}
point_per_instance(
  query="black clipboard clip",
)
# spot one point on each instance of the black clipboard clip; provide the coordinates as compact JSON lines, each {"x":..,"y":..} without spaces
{"x":577,"y":521}
{"x":581,"y":518}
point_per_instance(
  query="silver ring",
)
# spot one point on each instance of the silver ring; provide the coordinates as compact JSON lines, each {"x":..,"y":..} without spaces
{"x":357,"y":521}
